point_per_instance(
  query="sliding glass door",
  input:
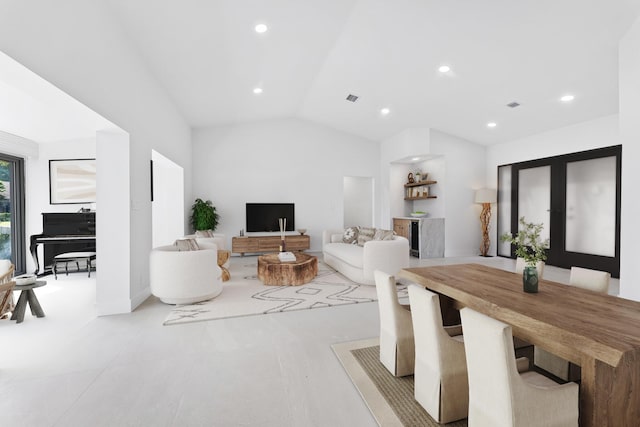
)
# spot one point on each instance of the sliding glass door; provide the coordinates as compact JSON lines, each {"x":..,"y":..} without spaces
{"x":577,"y":199}
{"x":12,"y":237}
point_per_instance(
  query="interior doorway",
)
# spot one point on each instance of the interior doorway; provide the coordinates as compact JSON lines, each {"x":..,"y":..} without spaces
{"x":167,"y":200}
{"x":358,"y":201}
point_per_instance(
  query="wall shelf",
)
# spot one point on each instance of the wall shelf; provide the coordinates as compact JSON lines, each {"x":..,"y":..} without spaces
{"x":418,"y":190}
{"x":421,"y":198}
{"x":417,"y":184}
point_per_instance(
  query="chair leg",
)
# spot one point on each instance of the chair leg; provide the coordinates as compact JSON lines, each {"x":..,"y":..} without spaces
{"x":55,"y":270}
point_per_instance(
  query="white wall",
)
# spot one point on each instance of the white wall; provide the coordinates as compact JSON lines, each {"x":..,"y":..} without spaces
{"x":598,"y":133}
{"x":357,"y":200}
{"x":37,"y":183}
{"x":279,"y":161}
{"x":464,"y":172}
{"x":82,"y":50}
{"x":167,"y":208}
{"x":629,"y":55}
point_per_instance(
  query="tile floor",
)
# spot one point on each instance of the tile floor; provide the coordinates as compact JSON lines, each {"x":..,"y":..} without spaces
{"x":74,"y":369}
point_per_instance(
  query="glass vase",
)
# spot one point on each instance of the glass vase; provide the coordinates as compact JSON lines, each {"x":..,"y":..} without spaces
{"x":530,"y":280}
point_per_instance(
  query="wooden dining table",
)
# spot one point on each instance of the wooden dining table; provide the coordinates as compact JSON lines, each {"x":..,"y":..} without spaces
{"x":598,"y":332}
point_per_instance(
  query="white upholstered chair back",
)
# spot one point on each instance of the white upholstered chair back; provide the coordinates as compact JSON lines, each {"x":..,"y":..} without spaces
{"x":397,"y":351}
{"x":521,"y":264}
{"x":498,"y":394}
{"x":593,"y":280}
{"x":440,"y":376}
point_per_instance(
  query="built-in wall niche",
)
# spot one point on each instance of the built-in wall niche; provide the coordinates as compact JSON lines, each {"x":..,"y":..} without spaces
{"x":425,"y":195}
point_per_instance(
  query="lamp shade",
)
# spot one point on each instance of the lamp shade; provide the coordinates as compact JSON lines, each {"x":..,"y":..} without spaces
{"x":486,"y":195}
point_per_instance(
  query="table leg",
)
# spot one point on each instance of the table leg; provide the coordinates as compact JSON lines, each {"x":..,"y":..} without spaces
{"x":36,"y":309}
{"x":21,"y":306}
{"x":609,"y":396}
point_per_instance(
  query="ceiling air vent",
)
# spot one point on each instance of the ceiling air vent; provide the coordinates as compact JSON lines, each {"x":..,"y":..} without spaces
{"x":352,"y":98}
{"x":513,"y":104}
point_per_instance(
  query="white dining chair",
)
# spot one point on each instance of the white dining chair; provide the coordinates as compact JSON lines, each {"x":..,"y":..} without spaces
{"x":594,"y":280}
{"x":501,"y":396}
{"x":440,"y":378}
{"x":397,"y":349}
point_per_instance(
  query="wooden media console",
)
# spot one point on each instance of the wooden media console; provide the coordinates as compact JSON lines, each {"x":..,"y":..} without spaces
{"x":261,"y":244}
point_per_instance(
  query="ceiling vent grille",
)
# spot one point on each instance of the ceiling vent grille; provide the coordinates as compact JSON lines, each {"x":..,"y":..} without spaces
{"x":513,"y":104}
{"x":352,"y":98}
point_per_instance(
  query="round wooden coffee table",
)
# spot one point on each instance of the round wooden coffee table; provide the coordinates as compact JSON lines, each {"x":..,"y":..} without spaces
{"x":292,"y":273}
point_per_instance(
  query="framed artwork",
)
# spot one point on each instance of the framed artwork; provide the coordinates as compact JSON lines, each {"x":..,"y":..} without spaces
{"x":72,"y":181}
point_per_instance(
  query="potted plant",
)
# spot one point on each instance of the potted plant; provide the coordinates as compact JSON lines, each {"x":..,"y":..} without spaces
{"x":531,"y":248}
{"x":204,"y":215}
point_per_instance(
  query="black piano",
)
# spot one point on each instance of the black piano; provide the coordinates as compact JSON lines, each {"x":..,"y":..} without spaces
{"x":63,"y":232}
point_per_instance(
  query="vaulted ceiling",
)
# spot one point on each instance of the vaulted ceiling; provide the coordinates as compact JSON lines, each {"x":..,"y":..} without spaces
{"x":208,"y":58}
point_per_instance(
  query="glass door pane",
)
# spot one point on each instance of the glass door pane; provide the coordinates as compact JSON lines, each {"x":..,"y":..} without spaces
{"x":534,"y":197}
{"x":591,"y":207}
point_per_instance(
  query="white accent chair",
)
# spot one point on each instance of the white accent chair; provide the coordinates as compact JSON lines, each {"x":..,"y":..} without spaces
{"x":498,"y":394}
{"x":184,"y":277}
{"x":593,"y":280}
{"x":397,"y":349}
{"x":440,"y":377}
{"x":521,"y":264}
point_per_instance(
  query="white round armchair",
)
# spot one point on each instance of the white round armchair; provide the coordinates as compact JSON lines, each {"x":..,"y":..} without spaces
{"x":184,"y":277}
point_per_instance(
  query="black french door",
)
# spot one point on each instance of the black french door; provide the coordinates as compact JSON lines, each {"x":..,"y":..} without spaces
{"x":577,"y":198}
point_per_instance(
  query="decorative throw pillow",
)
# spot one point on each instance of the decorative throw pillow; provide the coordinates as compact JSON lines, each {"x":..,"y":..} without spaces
{"x":350,"y":235}
{"x":365,"y":234}
{"x":204,"y":233}
{"x":187,"y":245}
{"x":383,"y":234}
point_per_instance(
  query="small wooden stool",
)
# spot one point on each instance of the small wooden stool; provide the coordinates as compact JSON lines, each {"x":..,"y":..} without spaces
{"x":68,"y":257}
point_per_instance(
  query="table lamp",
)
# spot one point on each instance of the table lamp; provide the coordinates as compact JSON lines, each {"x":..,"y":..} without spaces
{"x":485,"y":196}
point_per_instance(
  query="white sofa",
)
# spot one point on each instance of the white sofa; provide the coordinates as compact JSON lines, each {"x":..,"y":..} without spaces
{"x":184,"y":277}
{"x":359,"y":262}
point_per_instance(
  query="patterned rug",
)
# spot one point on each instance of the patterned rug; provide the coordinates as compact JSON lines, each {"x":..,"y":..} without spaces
{"x":390,"y":399}
{"x":245,"y":295}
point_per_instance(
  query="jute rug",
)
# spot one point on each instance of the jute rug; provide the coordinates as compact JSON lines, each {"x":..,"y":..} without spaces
{"x":389,"y":399}
{"x":245,"y":295}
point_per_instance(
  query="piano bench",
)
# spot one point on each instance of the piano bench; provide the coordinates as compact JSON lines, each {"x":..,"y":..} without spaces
{"x":68,"y":257}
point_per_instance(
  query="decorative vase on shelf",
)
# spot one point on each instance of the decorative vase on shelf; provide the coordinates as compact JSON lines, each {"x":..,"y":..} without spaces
{"x":530,"y":279}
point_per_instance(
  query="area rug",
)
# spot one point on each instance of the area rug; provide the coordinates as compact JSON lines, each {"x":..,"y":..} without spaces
{"x":245,"y":295}
{"x":389,"y":399}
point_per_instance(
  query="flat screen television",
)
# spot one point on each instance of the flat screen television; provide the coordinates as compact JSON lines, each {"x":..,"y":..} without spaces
{"x":264,"y":216}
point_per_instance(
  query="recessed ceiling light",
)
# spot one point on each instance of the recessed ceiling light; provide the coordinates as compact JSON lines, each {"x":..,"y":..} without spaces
{"x":444,"y":68}
{"x":261,"y":28}
{"x":492,"y":124}
{"x":257,"y":90}
{"x":567,"y":98}
{"x":415,"y":159}
{"x":385,"y":111}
